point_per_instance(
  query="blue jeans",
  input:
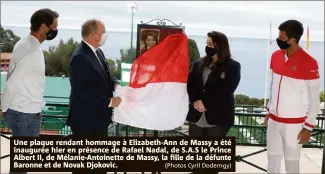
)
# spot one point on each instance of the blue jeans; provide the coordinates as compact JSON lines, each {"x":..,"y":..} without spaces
{"x":23,"y":124}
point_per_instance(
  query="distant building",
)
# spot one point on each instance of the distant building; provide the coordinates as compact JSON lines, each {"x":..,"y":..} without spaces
{"x":5,"y":59}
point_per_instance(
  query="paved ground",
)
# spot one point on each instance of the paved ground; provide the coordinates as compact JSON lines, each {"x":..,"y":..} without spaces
{"x":311,"y":159}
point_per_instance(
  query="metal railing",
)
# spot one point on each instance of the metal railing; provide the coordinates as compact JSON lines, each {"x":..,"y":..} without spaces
{"x":249,"y":129}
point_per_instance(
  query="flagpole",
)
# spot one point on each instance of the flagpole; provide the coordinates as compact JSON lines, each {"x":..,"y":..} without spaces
{"x":267,"y":64}
{"x":307,"y":40}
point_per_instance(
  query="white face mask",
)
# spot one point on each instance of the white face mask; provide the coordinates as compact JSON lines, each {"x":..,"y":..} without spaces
{"x":103,"y":39}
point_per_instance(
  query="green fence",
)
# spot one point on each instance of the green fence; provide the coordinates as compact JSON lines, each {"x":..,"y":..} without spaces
{"x":249,"y":129}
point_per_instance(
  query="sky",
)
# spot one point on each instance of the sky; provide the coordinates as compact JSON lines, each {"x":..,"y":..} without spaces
{"x":247,"y":19}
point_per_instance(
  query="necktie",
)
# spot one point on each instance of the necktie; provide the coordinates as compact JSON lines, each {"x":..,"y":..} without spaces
{"x":102,"y":61}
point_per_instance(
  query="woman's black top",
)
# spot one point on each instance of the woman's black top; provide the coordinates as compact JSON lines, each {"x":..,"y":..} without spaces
{"x":217,"y":94}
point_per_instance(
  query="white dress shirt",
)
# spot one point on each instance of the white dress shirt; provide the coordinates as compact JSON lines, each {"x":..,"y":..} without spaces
{"x":94,"y":50}
{"x":24,"y":86}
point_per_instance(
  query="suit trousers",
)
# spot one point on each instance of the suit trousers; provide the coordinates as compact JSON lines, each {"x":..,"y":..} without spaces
{"x":196,"y":131}
{"x":99,"y":133}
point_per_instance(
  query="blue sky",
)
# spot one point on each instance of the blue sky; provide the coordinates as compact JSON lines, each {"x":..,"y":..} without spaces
{"x":237,"y":19}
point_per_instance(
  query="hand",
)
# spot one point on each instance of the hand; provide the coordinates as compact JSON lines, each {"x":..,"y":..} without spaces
{"x":304,"y":136}
{"x":115,"y":102}
{"x":198,"y":105}
{"x":266,"y":120}
{"x":1,"y":113}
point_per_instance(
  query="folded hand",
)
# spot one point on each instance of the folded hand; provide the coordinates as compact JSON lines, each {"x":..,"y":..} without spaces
{"x":115,"y":102}
{"x":198,"y":105}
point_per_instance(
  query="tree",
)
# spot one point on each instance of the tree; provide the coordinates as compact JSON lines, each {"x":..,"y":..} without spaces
{"x":322,"y":96}
{"x":255,"y":101}
{"x":112,"y":65}
{"x":114,"y":68}
{"x":7,"y":40}
{"x":267,"y":100}
{"x":241,"y":99}
{"x":127,"y":56}
{"x":56,"y":58}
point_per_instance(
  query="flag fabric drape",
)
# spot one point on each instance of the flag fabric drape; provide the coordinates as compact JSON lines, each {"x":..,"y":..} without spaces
{"x":156,"y":97}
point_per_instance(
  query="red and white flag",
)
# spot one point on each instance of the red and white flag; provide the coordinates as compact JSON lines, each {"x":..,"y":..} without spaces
{"x":156,"y":97}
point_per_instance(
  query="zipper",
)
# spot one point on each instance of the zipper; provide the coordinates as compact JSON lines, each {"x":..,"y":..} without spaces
{"x":286,"y":59}
{"x":277,"y":102}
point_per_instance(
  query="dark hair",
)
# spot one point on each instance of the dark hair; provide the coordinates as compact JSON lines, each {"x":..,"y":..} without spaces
{"x":42,"y":16}
{"x":220,"y":41}
{"x":293,"y":28}
{"x":88,"y":27}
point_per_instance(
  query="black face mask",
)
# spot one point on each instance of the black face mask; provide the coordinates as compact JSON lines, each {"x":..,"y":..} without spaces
{"x":51,"y":34}
{"x":282,"y":44}
{"x":210,"y":51}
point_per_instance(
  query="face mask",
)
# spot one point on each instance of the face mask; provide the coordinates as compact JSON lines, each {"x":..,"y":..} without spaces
{"x":210,"y":51}
{"x":103,"y":39}
{"x":51,"y":34}
{"x":282,"y":44}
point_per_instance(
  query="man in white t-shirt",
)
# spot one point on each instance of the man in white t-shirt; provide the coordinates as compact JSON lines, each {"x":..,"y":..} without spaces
{"x":22,"y":98}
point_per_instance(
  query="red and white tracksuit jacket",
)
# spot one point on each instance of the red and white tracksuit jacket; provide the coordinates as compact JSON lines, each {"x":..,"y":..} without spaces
{"x":294,"y":94}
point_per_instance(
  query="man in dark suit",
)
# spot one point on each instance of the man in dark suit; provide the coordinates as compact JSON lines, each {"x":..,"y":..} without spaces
{"x":91,"y":98}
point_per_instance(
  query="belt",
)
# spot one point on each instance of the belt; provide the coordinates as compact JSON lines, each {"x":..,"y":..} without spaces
{"x":288,"y":120}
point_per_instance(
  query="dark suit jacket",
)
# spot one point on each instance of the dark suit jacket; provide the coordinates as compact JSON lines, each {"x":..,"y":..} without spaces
{"x":91,"y":91}
{"x":217,"y":94}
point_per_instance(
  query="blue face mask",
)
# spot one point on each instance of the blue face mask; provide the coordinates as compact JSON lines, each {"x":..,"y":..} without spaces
{"x":282,"y":44}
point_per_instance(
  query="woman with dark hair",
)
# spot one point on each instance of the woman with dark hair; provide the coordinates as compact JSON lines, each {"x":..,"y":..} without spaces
{"x":211,"y":86}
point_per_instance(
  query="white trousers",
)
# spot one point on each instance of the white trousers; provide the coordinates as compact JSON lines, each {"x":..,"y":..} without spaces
{"x":282,"y":140}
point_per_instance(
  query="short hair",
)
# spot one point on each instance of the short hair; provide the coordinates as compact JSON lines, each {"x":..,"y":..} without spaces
{"x":88,"y":27}
{"x":293,"y":28}
{"x":43,"y":16}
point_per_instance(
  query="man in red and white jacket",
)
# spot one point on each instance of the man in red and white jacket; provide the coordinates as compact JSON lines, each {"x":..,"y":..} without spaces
{"x":294,"y":99}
